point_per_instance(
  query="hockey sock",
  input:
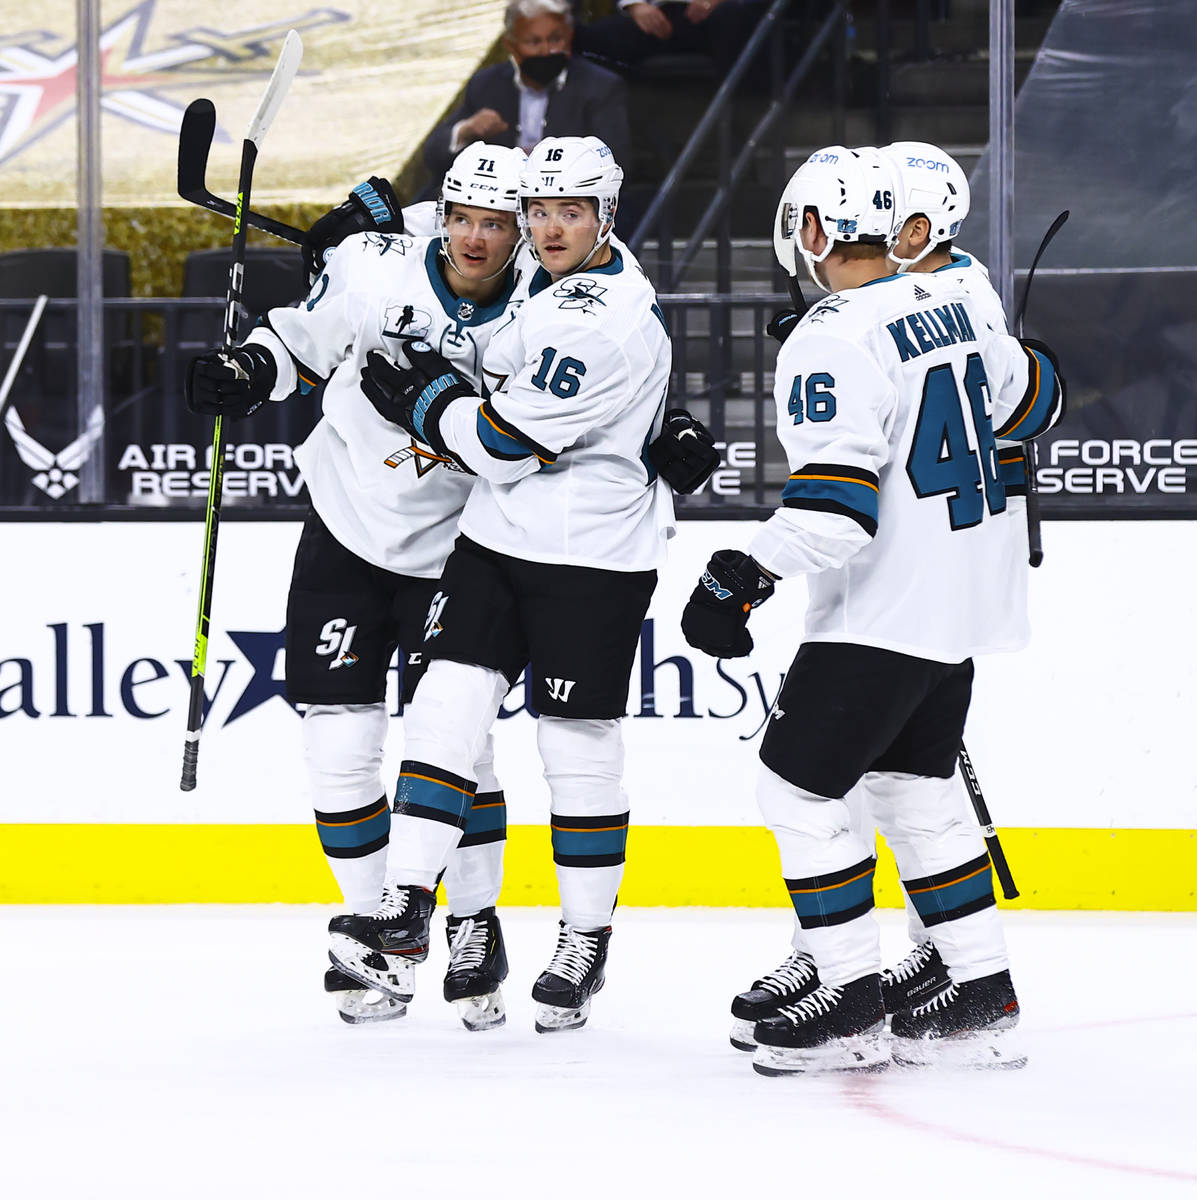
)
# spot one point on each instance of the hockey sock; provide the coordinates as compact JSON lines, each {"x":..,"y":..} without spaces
{"x":342,"y":746}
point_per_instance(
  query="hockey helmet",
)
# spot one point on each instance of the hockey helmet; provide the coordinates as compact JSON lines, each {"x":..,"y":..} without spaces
{"x":933,"y":186}
{"x":572,"y":166}
{"x":854,"y":194}
{"x":481,"y":176}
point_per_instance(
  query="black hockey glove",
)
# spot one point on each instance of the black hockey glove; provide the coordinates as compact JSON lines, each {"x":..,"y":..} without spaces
{"x":230,"y":383}
{"x":684,"y":452}
{"x":784,"y":322}
{"x":715,"y":619}
{"x":371,"y":206}
{"x":414,"y":397}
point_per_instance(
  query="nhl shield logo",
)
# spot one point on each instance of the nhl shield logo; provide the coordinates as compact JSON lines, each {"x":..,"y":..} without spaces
{"x":465,"y":310}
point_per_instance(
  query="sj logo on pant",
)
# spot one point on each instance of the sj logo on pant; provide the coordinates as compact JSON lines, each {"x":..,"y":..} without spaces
{"x":336,"y":638}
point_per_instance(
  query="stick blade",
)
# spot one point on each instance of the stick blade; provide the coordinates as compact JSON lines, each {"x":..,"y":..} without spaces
{"x":285,"y":71}
{"x":195,"y":140}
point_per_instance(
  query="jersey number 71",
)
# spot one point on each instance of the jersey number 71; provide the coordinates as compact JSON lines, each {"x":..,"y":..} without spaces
{"x":942,"y":462}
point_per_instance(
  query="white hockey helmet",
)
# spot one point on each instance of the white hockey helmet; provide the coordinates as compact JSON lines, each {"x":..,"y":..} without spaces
{"x":481,"y":176}
{"x":572,"y":166}
{"x":854,"y":194}
{"x":934,"y":186}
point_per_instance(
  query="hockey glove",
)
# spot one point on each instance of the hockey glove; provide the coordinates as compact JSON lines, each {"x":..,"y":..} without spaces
{"x":230,"y":383}
{"x":414,"y":397}
{"x":715,"y":619}
{"x":371,"y":206}
{"x":784,"y":322}
{"x":684,"y":452}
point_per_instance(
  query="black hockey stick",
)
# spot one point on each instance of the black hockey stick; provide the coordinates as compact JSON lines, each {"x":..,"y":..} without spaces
{"x":996,"y":854}
{"x":272,"y":98}
{"x":1030,"y":463}
{"x":195,"y":143}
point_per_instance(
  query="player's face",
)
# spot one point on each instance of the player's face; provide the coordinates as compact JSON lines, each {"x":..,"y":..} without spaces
{"x":564,"y":230}
{"x":480,"y":239}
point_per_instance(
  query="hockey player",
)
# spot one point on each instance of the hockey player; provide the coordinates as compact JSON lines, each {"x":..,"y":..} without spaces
{"x":383,"y":517}
{"x":889,"y":395}
{"x":932,"y":205}
{"x":562,"y":534}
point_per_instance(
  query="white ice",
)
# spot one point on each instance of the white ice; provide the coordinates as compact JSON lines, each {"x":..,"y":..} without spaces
{"x":182,"y":1052}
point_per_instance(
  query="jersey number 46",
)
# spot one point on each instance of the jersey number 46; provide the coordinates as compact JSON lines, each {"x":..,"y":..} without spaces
{"x":942,"y":462}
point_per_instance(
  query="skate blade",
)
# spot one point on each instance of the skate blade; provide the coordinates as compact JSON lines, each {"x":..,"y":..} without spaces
{"x":986,"y":1050}
{"x":368,"y":1005}
{"x":482,"y":1012}
{"x":551,"y":1019}
{"x":742,"y":1035}
{"x":398,"y":980}
{"x":865,"y":1052}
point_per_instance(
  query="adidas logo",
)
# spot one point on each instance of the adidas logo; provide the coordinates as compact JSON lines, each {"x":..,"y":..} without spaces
{"x":921,"y":293}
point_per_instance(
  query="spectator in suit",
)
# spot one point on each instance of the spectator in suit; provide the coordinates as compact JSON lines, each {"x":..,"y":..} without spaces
{"x":543,"y":91}
{"x":715,"y":28}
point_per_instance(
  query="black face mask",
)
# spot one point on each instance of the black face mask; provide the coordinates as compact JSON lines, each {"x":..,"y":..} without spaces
{"x":544,"y":68}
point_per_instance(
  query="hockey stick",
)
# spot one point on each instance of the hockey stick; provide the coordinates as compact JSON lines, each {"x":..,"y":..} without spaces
{"x":996,"y":854}
{"x":1030,"y":460}
{"x":195,"y":142}
{"x":22,"y":348}
{"x":272,"y":98}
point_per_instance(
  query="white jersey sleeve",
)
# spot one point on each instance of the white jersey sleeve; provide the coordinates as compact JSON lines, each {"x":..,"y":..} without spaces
{"x":573,"y":379}
{"x":834,"y":412}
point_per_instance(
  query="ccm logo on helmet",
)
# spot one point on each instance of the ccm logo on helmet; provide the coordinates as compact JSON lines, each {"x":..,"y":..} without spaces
{"x":930,"y":163}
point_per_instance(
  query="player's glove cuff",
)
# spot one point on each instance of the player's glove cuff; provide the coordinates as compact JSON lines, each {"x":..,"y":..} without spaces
{"x":684,"y":452}
{"x":715,"y":619}
{"x":782,"y":324}
{"x":230,"y":383}
{"x":414,"y":397}
{"x":371,"y":206}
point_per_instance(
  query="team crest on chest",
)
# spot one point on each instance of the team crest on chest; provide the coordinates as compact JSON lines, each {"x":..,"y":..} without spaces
{"x":423,"y":459}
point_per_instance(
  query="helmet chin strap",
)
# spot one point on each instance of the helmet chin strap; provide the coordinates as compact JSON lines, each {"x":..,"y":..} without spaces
{"x":904,"y":264}
{"x":811,"y":259}
{"x":447,"y":254}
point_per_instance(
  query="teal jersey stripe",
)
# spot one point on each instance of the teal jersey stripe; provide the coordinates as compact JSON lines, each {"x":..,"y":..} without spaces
{"x":575,"y":843}
{"x":498,"y":443}
{"x":486,"y":818}
{"x":858,"y":497}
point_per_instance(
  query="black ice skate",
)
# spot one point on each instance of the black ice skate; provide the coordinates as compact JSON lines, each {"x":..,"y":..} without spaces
{"x":477,"y":965}
{"x":357,"y":1005}
{"x":380,"y":949}
{"x":915,"y":979}
{"x":794,"y":979}
{"x":832,"y":1029}
{"x":965,"y":1025}
{"x":564,"y":988}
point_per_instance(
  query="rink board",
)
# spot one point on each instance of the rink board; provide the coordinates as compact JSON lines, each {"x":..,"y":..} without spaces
{"x":1082,"y":742}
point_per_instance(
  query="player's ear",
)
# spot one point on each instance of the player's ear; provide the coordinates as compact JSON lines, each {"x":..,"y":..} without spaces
{"x":813,"y":237}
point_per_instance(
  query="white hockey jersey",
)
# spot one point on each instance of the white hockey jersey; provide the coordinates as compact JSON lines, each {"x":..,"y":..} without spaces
{"x":576,"y":386}
{"x":973,"y":275}
{"x":384,"y":496}
{"x":889,"y":397}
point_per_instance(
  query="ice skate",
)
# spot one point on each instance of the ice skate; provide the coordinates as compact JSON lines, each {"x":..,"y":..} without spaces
{"x":563,"y":991}
{"x":915,"y":979}
{"x":794,"y":979}
{"x":357,"y":1005}
{"x":380,"y":949}
{"x":966,"y":1025}
{"x":831,"y":1029}
{"x":477,"y":966}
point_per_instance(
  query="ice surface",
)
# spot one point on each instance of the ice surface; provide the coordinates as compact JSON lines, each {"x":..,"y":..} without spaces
{"x":185,"y":1052}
